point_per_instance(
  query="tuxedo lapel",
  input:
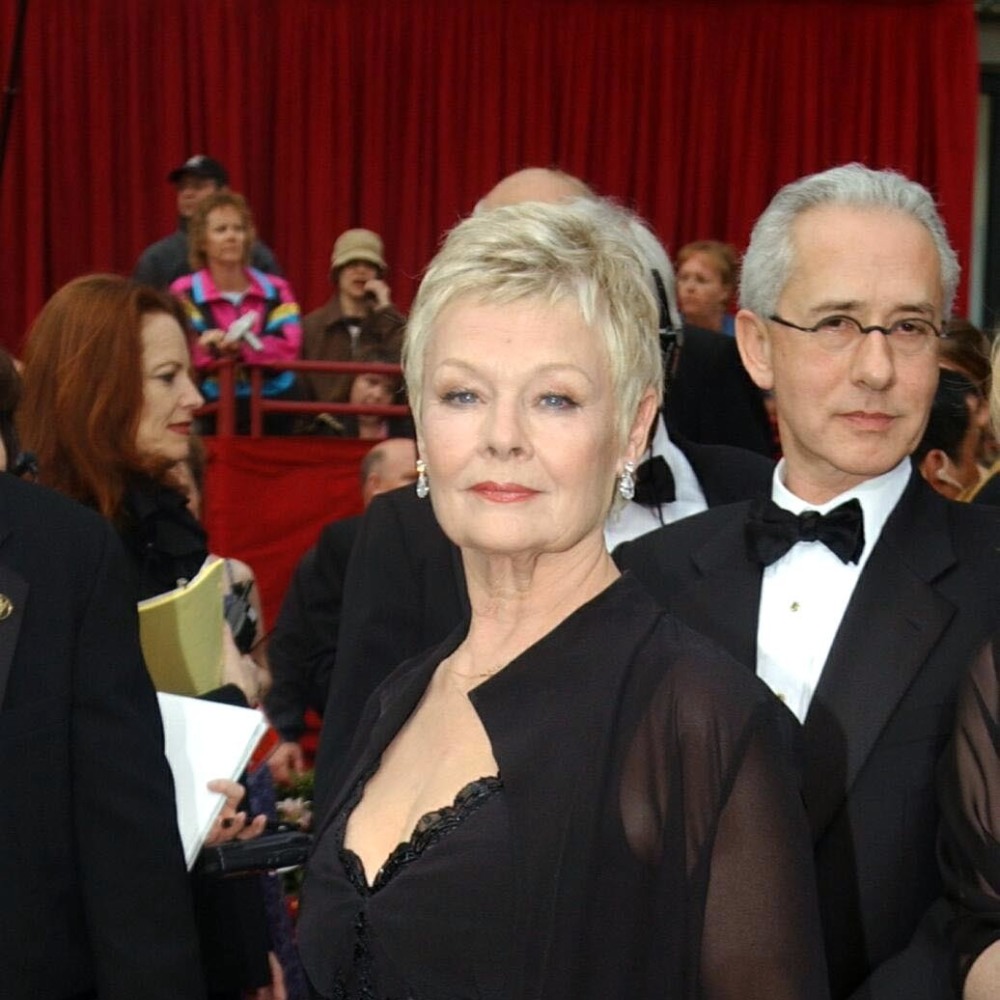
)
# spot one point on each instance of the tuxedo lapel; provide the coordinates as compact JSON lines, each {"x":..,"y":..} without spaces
{"x":722,"y":599}
{"x":892,"y":623}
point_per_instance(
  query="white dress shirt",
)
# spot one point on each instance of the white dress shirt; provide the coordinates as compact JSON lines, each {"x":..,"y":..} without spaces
{"x":805,"y":593}
{"x":634,"y":519}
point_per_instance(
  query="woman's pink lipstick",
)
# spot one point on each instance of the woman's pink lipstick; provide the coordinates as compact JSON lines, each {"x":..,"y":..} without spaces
{"x":504,"y":492}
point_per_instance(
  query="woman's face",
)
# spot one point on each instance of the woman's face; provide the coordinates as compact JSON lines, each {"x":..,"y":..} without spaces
{"x":225,"y":236}
{"x":518,"y":427}
{"x":701,"y":293}
{"x":169,"y":397}
{"x":371,"y":389}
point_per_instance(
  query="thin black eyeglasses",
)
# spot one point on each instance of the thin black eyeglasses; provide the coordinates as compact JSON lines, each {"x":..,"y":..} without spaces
{"x":909,"y":335}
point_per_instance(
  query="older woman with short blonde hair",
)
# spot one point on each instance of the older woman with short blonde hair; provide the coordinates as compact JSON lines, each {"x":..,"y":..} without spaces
{"x":573,"y":796}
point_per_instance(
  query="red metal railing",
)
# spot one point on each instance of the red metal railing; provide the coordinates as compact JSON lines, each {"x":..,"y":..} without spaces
{"x":225,"y":407}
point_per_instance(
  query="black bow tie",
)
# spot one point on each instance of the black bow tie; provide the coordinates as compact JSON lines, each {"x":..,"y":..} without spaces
{"x":654,"y":483}
{"x":772,"y":531}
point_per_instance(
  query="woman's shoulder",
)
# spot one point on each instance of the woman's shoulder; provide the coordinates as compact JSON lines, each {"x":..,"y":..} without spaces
{"x":163,"y":538}
{"x":183,"y":284}
{"x":271,"y":285}
{"x":696,"y":684}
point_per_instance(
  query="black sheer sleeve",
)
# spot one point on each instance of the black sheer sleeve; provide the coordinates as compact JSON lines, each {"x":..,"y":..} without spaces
{"x":969,"y":789}
{"x":715,"y":765}
{"x":762,"y":935}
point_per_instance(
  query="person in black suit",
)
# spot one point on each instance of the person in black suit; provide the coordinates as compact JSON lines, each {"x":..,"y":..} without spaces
{"x":302,"y":646}
{"x":95,"y":899}
{"x":861,"y":623}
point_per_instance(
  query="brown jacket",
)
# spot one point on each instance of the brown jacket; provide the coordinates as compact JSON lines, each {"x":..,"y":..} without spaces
{"x":326,"y":336}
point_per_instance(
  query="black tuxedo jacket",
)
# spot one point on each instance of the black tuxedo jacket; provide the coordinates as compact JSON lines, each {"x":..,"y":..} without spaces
{"x":94,"y":898}
{"x":927,"y":597}
{"x":712,"y":399}
{"x":302,"y":646}
{"x":405,"y":591}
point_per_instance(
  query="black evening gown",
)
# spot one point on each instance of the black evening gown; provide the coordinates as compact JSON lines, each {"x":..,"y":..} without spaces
{"x":969,"y":789}
{"x":644,"y":837}
{"x":381,"y":927}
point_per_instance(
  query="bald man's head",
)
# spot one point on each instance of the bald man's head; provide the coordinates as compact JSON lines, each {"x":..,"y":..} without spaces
{"x":534,"y":184}
{"x":391,"y":463}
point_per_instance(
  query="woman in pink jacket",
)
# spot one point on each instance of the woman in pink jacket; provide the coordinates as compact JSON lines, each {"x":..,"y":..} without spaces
{"x":234,"y":309}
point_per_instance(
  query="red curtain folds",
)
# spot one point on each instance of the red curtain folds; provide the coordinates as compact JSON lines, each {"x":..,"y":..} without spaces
{"x":336,"y":113}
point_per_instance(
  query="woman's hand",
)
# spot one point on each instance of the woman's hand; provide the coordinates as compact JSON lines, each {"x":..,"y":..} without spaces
{"x":232,"y":824}
{"x":286,"y":761}
{"x":211,"y":340}
{"x":379,"y":290}
{"x":214,"y":341}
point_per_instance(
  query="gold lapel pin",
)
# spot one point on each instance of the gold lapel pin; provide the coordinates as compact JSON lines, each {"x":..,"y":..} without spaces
{"x":6,"y":607}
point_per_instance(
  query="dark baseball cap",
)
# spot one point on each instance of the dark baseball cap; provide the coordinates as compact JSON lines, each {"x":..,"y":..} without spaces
{"x":200,"y":166}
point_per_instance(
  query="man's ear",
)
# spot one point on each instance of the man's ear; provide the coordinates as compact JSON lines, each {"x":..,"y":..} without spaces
{"x":638,"y":435}
{"x":369,"y":488}
{"x":753,"y":338}
{"x":935,"y":468}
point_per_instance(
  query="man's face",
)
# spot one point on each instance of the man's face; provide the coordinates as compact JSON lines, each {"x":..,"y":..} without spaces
{"x":854,"y":414}
{"x":353,"y":276}
{"x":191,"y":191}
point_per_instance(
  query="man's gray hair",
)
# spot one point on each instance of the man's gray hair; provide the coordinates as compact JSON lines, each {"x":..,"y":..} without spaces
{"x":582,"y":252}
{"x":768,"y":262}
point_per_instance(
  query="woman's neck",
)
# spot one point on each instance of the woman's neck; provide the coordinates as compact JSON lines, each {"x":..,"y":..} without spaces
{"x":229,"y":277}
{"x":710,"y":319}
{"x":517,"y":601}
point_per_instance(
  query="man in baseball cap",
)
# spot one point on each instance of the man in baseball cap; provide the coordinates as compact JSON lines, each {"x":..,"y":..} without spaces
{"x":166,"y":260}
{"x":358,"y":316}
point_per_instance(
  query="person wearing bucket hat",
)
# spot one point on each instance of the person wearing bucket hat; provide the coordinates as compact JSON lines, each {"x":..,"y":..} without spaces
{"x":166,"y":260}
{"x":359,"y":315}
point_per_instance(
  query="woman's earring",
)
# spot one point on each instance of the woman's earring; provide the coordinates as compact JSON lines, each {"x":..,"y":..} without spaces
{"x":626,"y":482}
{"x":423,"y":487}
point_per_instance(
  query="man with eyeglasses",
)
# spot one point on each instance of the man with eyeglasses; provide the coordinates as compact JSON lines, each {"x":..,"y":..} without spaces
{"x":856,"y":592}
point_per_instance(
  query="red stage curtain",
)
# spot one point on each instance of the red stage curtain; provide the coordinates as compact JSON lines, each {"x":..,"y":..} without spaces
{"x":398,"y":116}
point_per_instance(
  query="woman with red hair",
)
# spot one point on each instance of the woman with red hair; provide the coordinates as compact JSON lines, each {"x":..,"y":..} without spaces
{"x":107,"y":408}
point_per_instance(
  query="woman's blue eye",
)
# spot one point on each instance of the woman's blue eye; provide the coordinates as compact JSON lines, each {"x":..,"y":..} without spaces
{"x":460,"y":397}
{"x":556,"y":401}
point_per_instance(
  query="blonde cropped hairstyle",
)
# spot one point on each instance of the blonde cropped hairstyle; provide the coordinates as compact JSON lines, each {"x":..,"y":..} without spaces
{"x":579,"y":251}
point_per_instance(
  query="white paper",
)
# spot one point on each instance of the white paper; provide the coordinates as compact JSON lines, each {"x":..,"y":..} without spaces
{"x":205,"y":740}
